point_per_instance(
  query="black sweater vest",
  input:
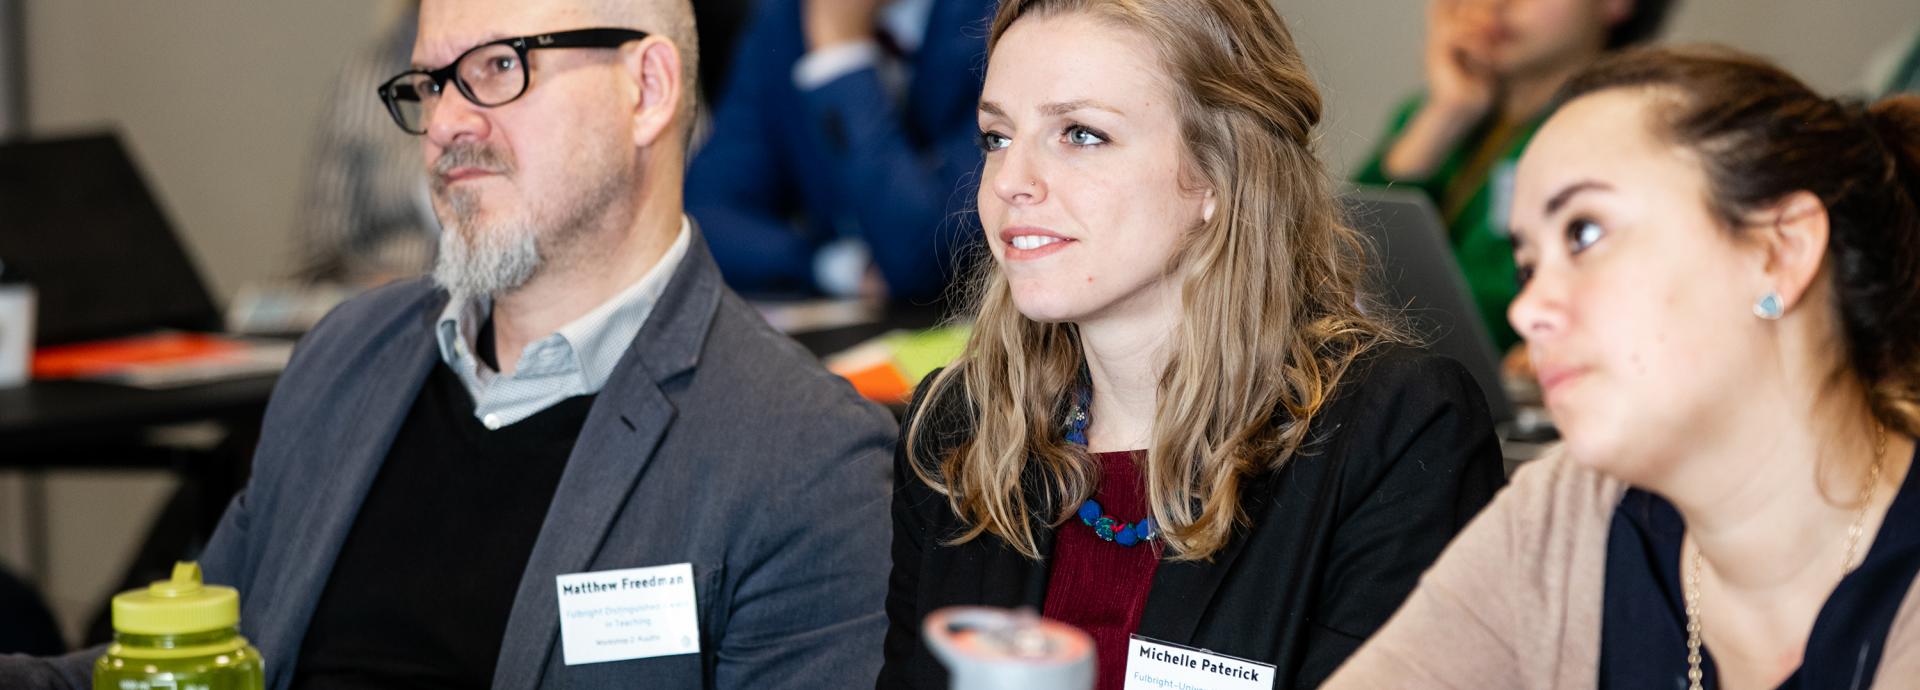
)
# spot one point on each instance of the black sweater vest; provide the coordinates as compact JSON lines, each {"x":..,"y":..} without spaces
{"x":421,"y":590}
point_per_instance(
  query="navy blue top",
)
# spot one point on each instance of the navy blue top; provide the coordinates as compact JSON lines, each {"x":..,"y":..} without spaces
{"x":1643,"y":637}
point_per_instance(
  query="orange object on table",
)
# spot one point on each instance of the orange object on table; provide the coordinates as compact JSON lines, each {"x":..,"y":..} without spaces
{"x":880,"y":382}
{"x":106,"y":356}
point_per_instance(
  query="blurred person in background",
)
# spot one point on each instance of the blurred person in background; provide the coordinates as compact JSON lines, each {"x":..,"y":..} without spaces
{"x":365,"y":219}
{"x":1896,"y":67}
{"x":1492,"y":67}
{"x":840,"y":148}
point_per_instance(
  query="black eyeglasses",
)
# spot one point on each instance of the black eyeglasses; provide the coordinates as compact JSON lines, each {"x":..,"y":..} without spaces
{"x":490,"y":74}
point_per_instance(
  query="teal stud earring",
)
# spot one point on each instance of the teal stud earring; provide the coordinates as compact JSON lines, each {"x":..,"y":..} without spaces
{"x":1769,"y":307}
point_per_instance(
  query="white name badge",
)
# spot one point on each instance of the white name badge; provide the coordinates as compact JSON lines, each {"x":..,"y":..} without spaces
{"x":1156,"y":665}
{"x":638,"y":613}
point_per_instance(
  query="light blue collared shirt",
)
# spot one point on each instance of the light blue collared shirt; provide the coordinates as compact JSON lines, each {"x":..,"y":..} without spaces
{"x":575,"y":360}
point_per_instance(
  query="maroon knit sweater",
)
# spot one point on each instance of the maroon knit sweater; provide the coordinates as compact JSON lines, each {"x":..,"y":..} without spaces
{"x":1100,"y":586}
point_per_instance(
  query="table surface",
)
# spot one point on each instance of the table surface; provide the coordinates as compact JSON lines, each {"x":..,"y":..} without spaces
{"x":51,"y":415}
{"x":47,"y":415}
{"x":43,"y":414}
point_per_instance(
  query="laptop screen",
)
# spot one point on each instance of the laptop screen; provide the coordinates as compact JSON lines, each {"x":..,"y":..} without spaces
{"x":79,"y":223}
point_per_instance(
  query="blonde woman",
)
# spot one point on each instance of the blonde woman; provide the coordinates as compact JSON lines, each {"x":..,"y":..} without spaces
{"x":1722,"y":298}
{"x":1172,"y":420}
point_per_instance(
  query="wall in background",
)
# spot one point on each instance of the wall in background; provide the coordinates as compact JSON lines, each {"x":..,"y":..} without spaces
{"x":217,"y":96}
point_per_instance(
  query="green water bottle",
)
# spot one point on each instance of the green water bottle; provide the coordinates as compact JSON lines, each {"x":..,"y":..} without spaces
{"x":178,"y":635}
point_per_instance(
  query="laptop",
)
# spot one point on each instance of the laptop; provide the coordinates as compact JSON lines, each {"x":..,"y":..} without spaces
{"x":78,"y":222}
{"x":1413,"y":270}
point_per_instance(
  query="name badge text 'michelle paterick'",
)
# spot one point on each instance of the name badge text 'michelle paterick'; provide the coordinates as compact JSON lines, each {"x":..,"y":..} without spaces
{"x":1156,"y":665}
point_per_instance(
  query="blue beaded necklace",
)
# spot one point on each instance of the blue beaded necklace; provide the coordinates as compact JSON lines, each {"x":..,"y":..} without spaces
{"x":1107,"y":527}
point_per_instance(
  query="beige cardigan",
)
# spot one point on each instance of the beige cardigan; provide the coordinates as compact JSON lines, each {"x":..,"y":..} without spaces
{"x":1515,"y":600}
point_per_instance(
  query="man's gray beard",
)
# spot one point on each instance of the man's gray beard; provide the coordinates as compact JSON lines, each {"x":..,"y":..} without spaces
{"x":480,"y":259}
{"x":483,"y":260}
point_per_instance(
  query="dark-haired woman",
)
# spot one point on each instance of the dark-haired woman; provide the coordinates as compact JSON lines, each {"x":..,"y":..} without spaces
{"x":1722,"y":299}
{"x":1172,"y":419}
{"x":1492,"y":67}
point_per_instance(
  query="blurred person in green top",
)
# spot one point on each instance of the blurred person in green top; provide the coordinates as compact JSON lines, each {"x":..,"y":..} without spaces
{"x":1492,"y":67}
{"x":1896,"y":67}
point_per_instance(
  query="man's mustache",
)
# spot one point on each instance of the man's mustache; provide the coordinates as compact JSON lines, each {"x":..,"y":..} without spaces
{"x":477,"y":156}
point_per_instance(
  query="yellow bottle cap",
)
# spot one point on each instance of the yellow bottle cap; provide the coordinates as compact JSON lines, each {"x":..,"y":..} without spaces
{"x":179,"y":606}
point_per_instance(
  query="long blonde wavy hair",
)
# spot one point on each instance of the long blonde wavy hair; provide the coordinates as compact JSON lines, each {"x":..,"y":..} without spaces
{"x":1271,"y":317}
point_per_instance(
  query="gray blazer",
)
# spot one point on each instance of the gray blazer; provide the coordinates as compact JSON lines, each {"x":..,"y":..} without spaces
{"x":717,"y":441}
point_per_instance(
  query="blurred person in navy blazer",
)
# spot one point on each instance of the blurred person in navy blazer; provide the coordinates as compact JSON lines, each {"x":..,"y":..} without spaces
{"x":840,"y":147}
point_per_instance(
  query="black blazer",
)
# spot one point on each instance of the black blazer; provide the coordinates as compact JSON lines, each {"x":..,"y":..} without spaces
{"x":1398,"y":463}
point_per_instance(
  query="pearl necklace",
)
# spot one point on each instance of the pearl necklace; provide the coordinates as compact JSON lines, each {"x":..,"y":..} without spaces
{"x":1854,"y":532}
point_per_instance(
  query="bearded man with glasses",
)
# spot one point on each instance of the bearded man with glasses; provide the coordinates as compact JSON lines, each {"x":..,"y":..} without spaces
{"x":572,"y":458}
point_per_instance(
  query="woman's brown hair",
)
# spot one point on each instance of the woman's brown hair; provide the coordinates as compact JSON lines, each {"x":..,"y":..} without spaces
{"x":1270,"y":320}
{"x":1760,"y":134}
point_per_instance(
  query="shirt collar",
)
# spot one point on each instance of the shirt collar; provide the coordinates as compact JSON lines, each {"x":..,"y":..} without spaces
{"x":906,"y":21}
